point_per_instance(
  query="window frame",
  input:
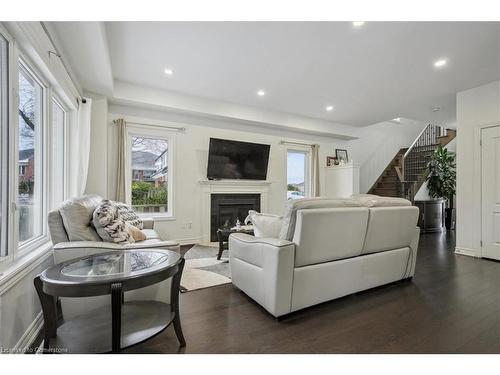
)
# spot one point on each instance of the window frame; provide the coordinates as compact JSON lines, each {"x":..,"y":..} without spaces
{"x":307,"y":172}
{"x":153,"y":131}
{"x":6,"y":103}
{"x":54,"y":100}
{"x":42,"y":164}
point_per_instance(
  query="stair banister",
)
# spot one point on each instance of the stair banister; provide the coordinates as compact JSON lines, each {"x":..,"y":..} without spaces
{"x":410,"y":149}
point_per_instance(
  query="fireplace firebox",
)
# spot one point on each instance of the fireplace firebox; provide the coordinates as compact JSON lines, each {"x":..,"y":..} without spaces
{"x":225,"y":209}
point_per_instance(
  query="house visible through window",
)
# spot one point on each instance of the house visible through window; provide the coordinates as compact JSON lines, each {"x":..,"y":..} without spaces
{"x":29,"y":198}
{"x":297,"y":174}
{"x":150,"y":174}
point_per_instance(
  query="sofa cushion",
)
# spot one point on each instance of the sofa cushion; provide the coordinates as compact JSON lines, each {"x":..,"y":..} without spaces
{"x":265,"y":225}
{"x":290,"y":217}
{"x":77,"y":214}
{"x":56,"y":228}
{"x":151,"y":234}
{"x":110,"y":225}
{"x":368,"y":200}
{"x":390,"y":228}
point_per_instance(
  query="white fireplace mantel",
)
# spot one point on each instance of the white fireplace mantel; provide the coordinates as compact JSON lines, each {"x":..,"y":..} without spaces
{"x":209,"y":187}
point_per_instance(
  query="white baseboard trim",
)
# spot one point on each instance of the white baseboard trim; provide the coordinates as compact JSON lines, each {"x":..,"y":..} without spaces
{"x":29,"y":335}
{"x":466,"y":251}
{"x":189,"y":241}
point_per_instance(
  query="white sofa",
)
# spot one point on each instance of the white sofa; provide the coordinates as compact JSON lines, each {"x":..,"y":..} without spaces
{"x":328,"y":248}
{"x":73,"y":236}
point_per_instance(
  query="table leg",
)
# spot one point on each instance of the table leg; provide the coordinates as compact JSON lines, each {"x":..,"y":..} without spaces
{"x":49,"y":310}
{"x":116,"y":316}
{"x":221,"y":245}
{"x":174,"y":301}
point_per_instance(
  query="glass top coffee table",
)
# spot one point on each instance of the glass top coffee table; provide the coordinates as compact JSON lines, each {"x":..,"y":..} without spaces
{"x":109,"y":328}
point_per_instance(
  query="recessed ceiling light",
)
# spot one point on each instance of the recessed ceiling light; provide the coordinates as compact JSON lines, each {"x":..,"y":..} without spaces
{"x":329,"y":108}
{"x":261,"y":93}
{"x":358,"y":23}
{"x":168,"y":71}
{"x":397,"y":119}
{"x":440,"y":63}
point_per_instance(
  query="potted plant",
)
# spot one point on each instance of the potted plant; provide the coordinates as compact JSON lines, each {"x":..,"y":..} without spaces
{"x":441,"y":180}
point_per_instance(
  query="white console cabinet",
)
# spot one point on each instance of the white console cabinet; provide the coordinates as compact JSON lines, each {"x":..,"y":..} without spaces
{"x":341,"y":181}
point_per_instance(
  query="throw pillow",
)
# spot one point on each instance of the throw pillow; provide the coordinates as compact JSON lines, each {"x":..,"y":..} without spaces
{"x":109,"y":224}
{"x":264,"y":225}
{"x":77,"y":217}
{"x":136,"y":233}
{"x":129,"y":215}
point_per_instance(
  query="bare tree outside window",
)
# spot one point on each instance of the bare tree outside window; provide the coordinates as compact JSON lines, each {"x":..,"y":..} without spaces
{"x":149,"y":174}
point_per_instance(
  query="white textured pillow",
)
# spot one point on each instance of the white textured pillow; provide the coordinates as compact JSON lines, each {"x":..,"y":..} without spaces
{"x":265,"y":225}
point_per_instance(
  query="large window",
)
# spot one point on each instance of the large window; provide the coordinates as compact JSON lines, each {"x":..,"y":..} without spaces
{"x":32,"y":151}
{"x":150,"y":174}
{"x":4,"y":103}
{"x":297,"y":163}
{"x":30,"y":157}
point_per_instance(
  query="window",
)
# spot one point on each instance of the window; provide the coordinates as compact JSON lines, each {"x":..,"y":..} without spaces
{"x":30,"y":189}
{"x":58,"y":157}
{"x":4,"y":103}
{"x":151,"y":174}
{"x":297,"y":162}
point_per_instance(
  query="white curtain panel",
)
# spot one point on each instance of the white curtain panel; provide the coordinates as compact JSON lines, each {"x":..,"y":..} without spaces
{"x":315,"y":171}
{"x":78,"y":156}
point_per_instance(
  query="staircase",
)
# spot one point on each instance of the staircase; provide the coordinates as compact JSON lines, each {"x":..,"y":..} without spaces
{"x":407,"y":171}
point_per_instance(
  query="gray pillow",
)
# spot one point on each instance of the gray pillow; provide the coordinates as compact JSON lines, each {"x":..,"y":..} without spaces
{"x":77,"y":217}
{"x":109,"y":224}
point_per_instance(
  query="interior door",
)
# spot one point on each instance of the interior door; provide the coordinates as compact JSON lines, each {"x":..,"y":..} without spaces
{"x":490,"y":189}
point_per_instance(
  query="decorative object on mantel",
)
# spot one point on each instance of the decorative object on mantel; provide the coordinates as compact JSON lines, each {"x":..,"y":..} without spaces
{"x":341,"y":156}
{"x":331,"y":161}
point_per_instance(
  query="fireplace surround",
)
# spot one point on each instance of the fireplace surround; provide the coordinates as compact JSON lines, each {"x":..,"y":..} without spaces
{"x":211,"y":187}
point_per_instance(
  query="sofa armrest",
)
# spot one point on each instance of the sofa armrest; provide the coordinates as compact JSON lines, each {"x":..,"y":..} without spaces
{"x":412,"y":261}
{"x":263,"y":268}
{"x":148,"y":223}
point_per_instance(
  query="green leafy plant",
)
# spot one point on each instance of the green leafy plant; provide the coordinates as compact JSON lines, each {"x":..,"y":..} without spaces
{"x":441,"y":181}
{"x":291,"y":187}
{"x":145,"y":193}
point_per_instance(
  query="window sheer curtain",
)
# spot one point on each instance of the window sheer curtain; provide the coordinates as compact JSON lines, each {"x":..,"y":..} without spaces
{"x":80,"y":149}
{"x":122,"y":193}
{"x":315,"y":171}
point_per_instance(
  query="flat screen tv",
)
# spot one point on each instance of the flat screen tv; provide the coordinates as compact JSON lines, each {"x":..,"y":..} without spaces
{"x":237,"y":160}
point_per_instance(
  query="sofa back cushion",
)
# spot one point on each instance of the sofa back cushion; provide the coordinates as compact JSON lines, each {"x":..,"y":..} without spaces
{"x":390,"y":228}
{"x":327,"y":234}
{"x":77,"y":214}
{"x":56,"y":228}
{"x":293,"y":206}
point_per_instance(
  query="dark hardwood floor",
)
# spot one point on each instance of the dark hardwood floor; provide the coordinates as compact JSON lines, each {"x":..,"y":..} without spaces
{"x":451,"y":306}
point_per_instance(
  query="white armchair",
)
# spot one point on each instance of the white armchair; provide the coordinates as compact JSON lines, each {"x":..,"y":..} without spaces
{"x":73,"y":236}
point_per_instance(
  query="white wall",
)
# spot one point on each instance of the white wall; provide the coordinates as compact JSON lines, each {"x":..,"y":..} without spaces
{"x":377,"y":146}
{"x":373,"y":152}
{"x":191,"y":155}
{"x":475,"y":108}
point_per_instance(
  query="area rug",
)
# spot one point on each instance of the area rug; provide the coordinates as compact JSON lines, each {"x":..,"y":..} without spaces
{"x":203,"y":270}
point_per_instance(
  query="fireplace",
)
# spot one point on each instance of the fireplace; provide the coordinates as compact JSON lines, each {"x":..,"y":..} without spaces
{"x":226,"y":208}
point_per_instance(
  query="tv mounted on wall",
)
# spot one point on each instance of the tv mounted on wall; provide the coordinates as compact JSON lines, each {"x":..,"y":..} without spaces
{"x":237,"y":160}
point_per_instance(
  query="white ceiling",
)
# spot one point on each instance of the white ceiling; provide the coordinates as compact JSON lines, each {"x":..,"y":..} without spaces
{"x":370,"y":74}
